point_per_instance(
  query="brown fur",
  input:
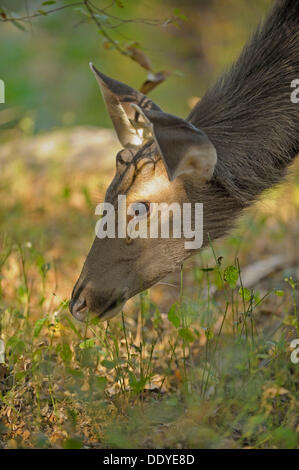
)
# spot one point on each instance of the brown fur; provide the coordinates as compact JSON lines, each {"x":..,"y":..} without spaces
{"x":248,"y":117}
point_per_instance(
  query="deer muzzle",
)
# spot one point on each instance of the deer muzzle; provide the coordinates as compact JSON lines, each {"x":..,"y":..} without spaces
{"x":88,"y":304}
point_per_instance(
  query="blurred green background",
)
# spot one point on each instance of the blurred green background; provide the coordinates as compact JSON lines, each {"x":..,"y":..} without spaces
{"x":45,"y":66}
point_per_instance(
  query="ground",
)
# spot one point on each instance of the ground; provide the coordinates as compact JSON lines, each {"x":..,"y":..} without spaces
{"x":202,"y":360}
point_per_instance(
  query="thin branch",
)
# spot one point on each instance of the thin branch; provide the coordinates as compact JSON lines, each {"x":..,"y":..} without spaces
{"x":104,"y":32}
{"x":150,"y":22}
{"x":91,"y":14}
{"x":38,"y":14}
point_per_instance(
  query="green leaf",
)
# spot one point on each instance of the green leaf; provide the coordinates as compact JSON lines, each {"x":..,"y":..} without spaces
{"x":87,"y":343}
{"x":257,"y":297}
{"x":245,"y":294}
{"x":108,"y":364}
{"x":65,"y":352}
{"x":186,"y":334}
{"x":290,"y":281}
{"x":17,"y":345}
{"x":285,"y":438}
{"x":157,"y":319}
{"x":49,"y":2}
{"x":180,"y":15}
{"x":3,"y":428}
{"x":136,"y":384}
{"x":173,"y":317}
{"x":209,"y":334}
{"x":231,"y":275}
{"x":94,"y":321}
{"x":22,"y":293}
{"x":38,"y":326}
{"x":101,"y":382}
{"x":72,"y":326}
{"x":279,"y":293}
{"x":66,"y":192}
{"x":72,"y":443}
{"x":77,"y":373}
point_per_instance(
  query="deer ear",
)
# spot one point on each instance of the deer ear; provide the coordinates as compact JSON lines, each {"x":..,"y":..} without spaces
{"x":118,"y":97}
{"x":184,"y":148}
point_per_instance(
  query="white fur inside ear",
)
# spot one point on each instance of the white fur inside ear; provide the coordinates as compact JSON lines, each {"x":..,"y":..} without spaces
{"x":126,"y":133}
{"x":146,"y":122}
{"x":200,"y":161}
{"x":145,"y":128}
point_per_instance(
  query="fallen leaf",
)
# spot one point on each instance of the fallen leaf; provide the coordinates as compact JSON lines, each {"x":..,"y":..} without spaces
{"x":140,"y":57}
{"x":192,"y":101}
{"x":26,"y":434}
{"x":153,"y":80}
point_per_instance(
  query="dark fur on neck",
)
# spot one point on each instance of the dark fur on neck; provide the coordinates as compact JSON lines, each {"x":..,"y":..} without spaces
{"x":248,"y":113}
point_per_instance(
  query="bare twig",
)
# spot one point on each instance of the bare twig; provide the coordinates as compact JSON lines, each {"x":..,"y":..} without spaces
{"x":38,"y":13}
{"x":93,"y":13}
{"x":150,"y":22}
{"x":103,"y":30}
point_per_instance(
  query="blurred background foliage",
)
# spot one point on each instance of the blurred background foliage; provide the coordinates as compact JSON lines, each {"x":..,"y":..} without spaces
{"x":44,"y":60}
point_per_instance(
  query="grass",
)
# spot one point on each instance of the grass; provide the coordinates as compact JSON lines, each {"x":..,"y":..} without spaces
{"x":209,"y":368}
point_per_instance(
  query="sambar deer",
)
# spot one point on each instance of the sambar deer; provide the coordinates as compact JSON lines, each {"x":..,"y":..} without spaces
{"x":237,"y":142}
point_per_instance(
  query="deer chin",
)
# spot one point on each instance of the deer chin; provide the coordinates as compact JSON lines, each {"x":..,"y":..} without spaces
{"x":84,"y":313}
{"x":111,"y":311}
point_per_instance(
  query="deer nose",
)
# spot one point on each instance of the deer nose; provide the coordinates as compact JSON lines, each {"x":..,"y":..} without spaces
{"x":78,"y":308}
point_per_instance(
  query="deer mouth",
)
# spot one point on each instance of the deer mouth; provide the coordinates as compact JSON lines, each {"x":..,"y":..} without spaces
{"x":80,"y":310}
{"x":112,"y":309}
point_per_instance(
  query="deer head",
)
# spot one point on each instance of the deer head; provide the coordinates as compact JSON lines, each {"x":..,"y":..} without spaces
{"x":164,"y":159}
{"x":253,"y":124}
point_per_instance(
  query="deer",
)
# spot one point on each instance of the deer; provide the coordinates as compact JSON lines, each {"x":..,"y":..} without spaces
{"x":238,"y":141}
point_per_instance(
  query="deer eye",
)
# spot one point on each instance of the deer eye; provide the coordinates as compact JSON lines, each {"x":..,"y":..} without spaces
{"x":140,"y":209}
